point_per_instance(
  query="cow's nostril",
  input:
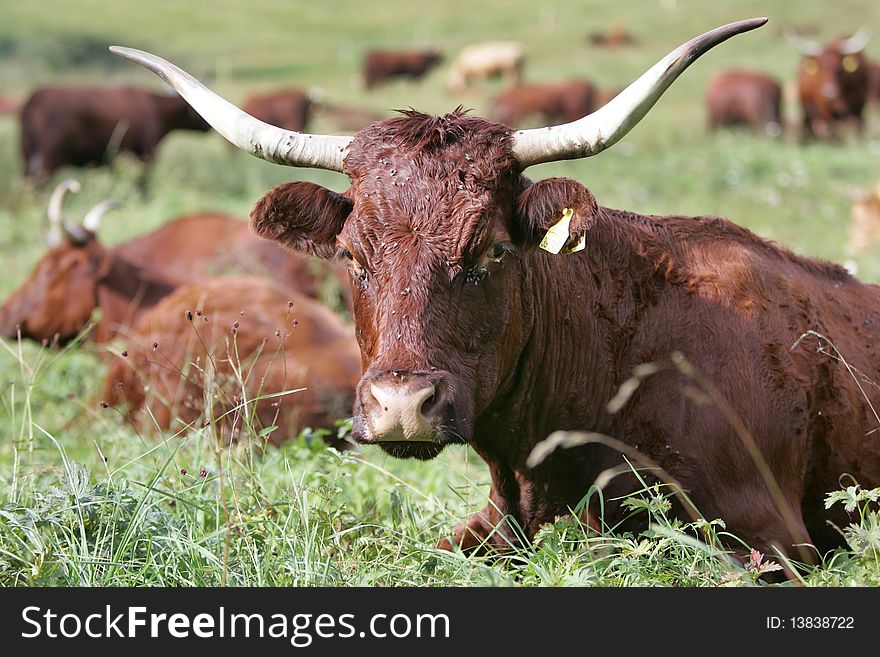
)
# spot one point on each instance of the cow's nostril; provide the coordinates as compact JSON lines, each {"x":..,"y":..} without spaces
{"x":435,"y":402}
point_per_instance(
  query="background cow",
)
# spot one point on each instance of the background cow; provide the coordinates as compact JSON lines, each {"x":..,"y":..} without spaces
{"x":616,"y":37}
{"x":234,"y":340}
{"x":79,"y":274}
{"x":8,"y":106}
{"x":833,"y":83}
{"x":559,"y":102}
{"x":383,"y":65}
{"x":745,"y":98}
{"x":478,"y":62}
{"x":469,"y":333}
{"x":287,"y":108}
{"x":81,"y":126}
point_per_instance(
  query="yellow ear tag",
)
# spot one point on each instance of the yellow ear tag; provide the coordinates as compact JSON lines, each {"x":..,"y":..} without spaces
{"x":557,"y":235}
{"x":850,"y":64}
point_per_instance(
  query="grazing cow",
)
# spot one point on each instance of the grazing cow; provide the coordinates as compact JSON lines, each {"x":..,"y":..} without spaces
{"x":79,"y":274}
{"x":383,"y":65}
{"x":833,"y":83}
{"x":864,"y":229}
{"x":478,"y":62}
{"x":552,"y":102}
{"x":233,"y":338}
{"x":288,"y":108}
{"x":745,"y":98}
{"x":81,"y":126}
{"x":615,"y":38}
{"x":470,"y":333}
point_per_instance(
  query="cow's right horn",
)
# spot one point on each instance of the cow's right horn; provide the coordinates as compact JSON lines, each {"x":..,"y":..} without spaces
{"x":56,"y":232}
{"x":92,"y":221}
{"x":265,"y":141}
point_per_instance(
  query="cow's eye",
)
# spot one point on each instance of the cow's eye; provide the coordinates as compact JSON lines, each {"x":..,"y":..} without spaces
{"x":498,"y":251}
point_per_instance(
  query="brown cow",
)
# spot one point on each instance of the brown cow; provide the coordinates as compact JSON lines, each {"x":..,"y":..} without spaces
{"x":874,"y":88}
{"x":833,"y":83}
{"x":551,"y":102}
{"x":745,"y":98}
{"x":469,"y":333}
{"x":231,"y":339}
{"x":81,"y":126}
{"x":616,"y":37}
{"x":346,"y":117}
{"x":383,"y":65}
{"x":78,"y":274}
{"x":288,"y":108}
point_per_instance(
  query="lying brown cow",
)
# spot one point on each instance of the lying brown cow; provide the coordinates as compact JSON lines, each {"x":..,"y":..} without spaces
{"x":552,"y":102}
{"x":470,"y":333}
{"x":78,"y":274}
{"x":287,"y":108}
{"x":81,"y":126}
{"x":247,"y":343}
{"x":834,"y":84}
{"x":745,"y":98}
{"x":383,"y":65}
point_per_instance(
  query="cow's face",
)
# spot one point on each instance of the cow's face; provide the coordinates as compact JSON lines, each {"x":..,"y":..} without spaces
{"x":435,"y":227}
{"x":838,"y":78}
{"x":57,"y":300}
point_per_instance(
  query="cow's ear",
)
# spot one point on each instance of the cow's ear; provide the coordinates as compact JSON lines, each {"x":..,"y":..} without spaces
{"x":541,"y":205}
{"x":301,"y":216}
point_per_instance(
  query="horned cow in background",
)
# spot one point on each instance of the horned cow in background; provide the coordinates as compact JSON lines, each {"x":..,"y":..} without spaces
{"x":78,"y":273}
{"x":833,"y":82}
{"x":470,"y":333}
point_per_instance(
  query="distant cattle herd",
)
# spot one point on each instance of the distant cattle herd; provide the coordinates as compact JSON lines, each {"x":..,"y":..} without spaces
{"x":461,"y":321}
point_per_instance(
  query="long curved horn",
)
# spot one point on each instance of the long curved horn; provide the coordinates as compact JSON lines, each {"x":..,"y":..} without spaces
{"x":805,"y":47}
{"x":92,"y":220}
{"x":604,"y":127}
{"x":55,"y":234}
{"x":855,"y":44}
{"x":265,"y":141}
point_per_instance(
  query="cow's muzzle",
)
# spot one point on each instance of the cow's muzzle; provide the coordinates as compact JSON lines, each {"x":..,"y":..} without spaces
{"x":404,"y":406}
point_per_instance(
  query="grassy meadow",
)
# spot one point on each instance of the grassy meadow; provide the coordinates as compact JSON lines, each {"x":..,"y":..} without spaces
{"x":85,"y":500}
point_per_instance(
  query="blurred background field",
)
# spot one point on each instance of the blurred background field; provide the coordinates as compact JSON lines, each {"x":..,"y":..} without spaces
{"x":301,"y":514}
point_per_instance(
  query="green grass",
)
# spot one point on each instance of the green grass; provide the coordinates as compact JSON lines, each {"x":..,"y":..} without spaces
{"x":86,"y":501}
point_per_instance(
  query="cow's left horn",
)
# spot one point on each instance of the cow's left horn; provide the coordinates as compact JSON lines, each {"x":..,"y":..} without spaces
{"x":92,"y":220}
{"x":243,"y":130}
{"x":856,"y":43}
{"x":56,"y":232}
{"x":604,"y":127}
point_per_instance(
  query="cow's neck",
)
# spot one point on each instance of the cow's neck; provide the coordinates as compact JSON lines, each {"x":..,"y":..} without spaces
{"x":583,"y":310}
{"x":124,"y":293}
